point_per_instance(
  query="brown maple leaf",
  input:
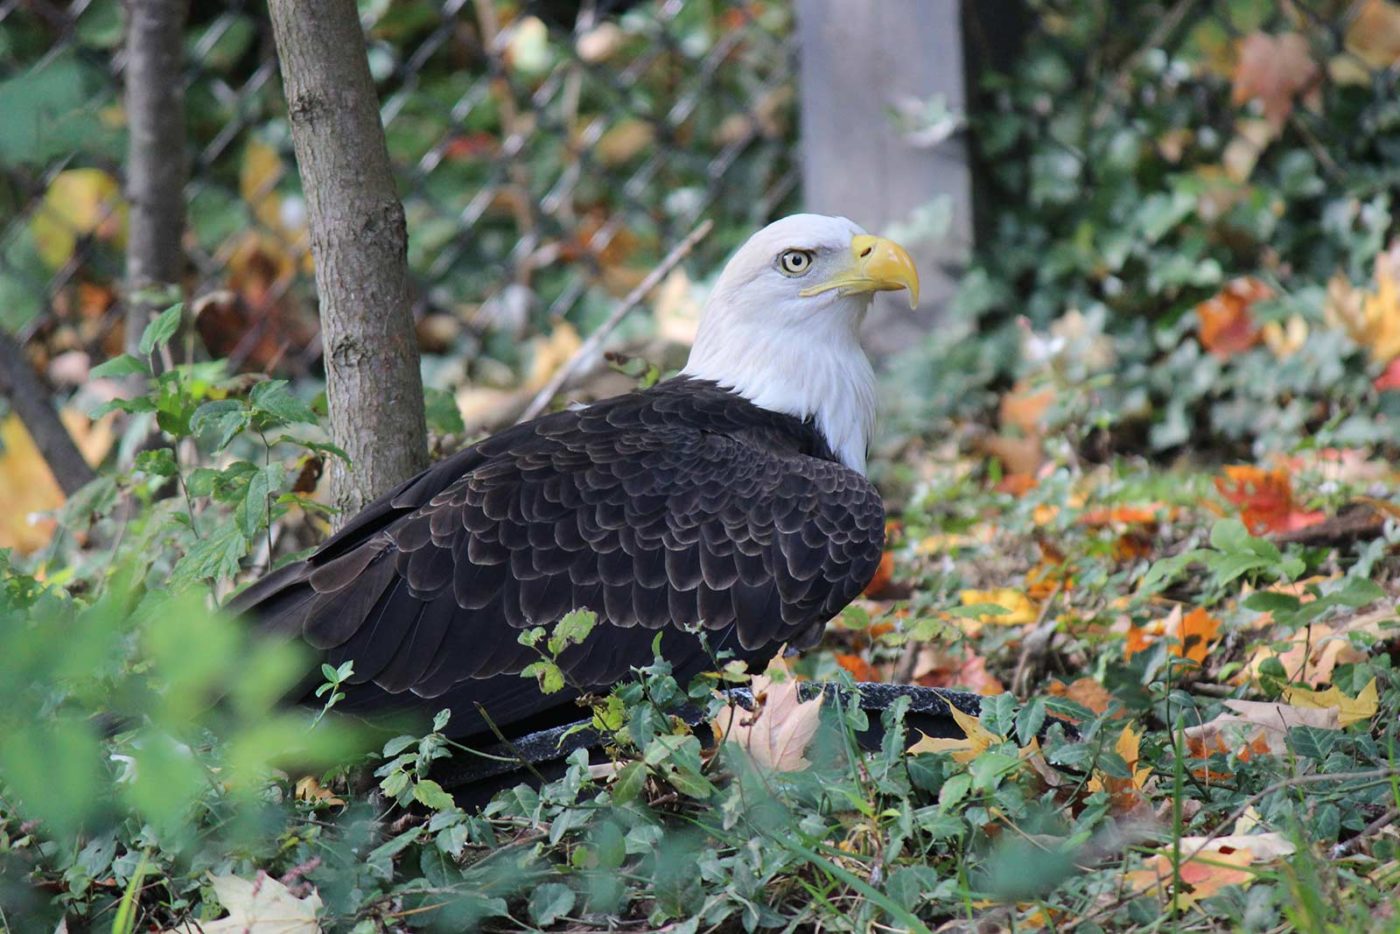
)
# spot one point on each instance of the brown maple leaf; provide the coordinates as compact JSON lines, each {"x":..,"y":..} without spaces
{"x":776,"y":733}
{"x":1274,"y":71}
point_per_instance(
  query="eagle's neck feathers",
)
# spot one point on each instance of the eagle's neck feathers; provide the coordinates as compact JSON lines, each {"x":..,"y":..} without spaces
{"x":810,"y":368}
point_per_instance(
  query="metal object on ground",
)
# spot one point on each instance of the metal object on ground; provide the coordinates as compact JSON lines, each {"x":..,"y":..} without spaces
{"x":474,"y":779}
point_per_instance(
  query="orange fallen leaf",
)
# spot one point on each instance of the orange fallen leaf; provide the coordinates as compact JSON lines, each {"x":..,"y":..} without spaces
{"x":1226,"y":325}
{"x":1210,"y":866}
{"x":1265,"y":499}
{"x":1025,"y":409}
{"x":1192,"y":634}
{"x":884,"y":573}
{"x":309,"y":789}
{"x":1199,"y":631}
{"x":1389,"y":381}
{"x":777,"y":732}
{"x":858,"y":667}
{"x":1086,"y":692}
{"x":1144,"y":514}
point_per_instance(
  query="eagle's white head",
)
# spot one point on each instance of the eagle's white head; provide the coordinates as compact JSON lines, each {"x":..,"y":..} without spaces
{"x":780,"y":327}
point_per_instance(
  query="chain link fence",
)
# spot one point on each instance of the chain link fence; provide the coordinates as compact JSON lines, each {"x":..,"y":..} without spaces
{"x":548,"y":153}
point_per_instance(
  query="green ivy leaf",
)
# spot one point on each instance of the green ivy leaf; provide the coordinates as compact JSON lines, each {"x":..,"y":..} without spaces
{"x":430,"y":794}
{"x":571,"y":630}
{"x":160,"y":330}
{"x":252,"y":513}
{"x":550,"y":902}
{"x":125,"y":365}
{"x":275,"y":404}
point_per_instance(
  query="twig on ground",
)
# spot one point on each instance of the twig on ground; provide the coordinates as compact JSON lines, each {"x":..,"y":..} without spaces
{"x":1376,"y":826}
{"x":30,"y":400}
{"x":595,"y":340}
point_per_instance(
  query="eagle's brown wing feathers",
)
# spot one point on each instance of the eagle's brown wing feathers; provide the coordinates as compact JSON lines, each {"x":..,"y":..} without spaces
{"x":659,"y":511}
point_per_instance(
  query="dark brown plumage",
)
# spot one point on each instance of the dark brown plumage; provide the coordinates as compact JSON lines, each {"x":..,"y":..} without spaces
{"x":663,"y":509}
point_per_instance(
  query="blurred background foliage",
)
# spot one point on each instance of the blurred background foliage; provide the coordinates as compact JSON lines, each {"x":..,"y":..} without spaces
{"x":1187,"y":219}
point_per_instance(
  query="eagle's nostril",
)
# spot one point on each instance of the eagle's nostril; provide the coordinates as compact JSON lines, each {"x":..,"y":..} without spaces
{"x":866,"y":252}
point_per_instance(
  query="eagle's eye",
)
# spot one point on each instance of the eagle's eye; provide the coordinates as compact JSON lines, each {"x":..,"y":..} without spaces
{"x":795,"y":262}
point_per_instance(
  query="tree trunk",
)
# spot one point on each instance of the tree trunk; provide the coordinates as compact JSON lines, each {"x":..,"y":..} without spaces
{"x":373,"y":385}
{"x":155,"y":170}
{"x":32,"y":401}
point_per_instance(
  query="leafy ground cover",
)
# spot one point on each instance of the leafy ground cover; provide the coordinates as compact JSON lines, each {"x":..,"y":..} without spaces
{"x":1221,"y":639}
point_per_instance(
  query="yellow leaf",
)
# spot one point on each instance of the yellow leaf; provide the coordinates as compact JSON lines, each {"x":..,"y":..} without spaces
{"x":976,"y":739}
{"x":28,"y":488}
{"x":1349,"y":709}
{"x":1372,"y":319}
{"x":1284,"y":340}
{"x":78,"y":203}
{"x":1374,"y":35}
{"x":777,"y":732}
{"x":257,"y":183}
{"x":624,"y":141}
{"x":550,"y":353}
{"x":1126,"y":792}
{"x":308,"y":789}
{"x":1019,"y":609}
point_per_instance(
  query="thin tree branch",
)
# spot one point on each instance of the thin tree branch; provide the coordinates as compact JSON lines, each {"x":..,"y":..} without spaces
{"x":30,"y":400}
{"x":595,"y":340}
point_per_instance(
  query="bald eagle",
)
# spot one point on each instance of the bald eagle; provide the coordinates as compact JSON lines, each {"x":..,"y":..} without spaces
{"x":731,"y":498}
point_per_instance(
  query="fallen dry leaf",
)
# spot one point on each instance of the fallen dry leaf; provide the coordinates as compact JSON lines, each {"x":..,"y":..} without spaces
{"x":1349,"y":709}
{"x":1018,"y":607}
{"x":549,"y":353}
{"x":309,"y":789}
{"x":1314,"y":652}
{"x":78,"y":203}
{"x":939,"y":667}
{"x":1126,"y":793}
{"x":858,"y":667}
{"x":1371,"y":318}
{"x":1274,"y":71}
{"x":1202,"y":875}
{"x":1374,"y":38}
{"x":1192,"y":634}
{"x":1025,"y":408}
{"x":1284,"y":340}
{"x":976,"y":740}
{"x":262,"y":905}
{"x":777,"y":732}
{"x":27,"y":487}
{"x":884,"y":573}
{"x":1226,"y":325}
{"x":1255,"y":727}
{"x":1265,"y":499}
{"x":1085,"y":691}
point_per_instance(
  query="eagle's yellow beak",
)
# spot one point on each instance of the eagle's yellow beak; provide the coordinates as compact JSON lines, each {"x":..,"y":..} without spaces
{"x":877,"y":265}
